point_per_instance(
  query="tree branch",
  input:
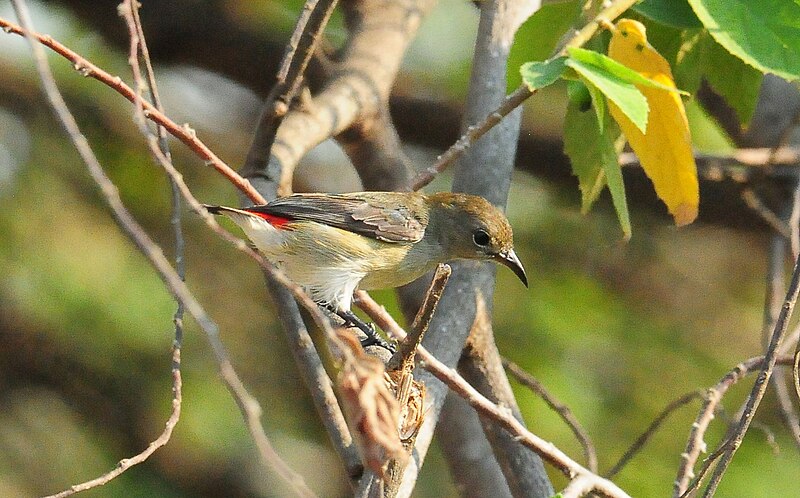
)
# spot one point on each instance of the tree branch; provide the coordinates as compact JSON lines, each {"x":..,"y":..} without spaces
{"x":307,"y":32}
{"x":560,"y":408}
{"x":712,"y":398}
{"x":357,"y":90}
{"x":149,"y":249}
{"x":472,"y":282}
{"x":183,"y":133}
{"x":299,"y":51}
{"x":488,"y":120}
{"x":485,"y":407}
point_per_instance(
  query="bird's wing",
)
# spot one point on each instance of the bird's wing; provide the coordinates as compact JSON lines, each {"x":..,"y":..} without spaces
{"x":386,"y":216}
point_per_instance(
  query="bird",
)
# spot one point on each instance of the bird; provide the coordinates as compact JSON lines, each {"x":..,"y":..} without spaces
{"x":331,"y":244}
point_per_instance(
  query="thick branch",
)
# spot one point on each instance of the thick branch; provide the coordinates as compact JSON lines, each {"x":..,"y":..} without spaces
{"x":301,"y":47}
{"x":473,"y":283}
{"x":359,"y":87}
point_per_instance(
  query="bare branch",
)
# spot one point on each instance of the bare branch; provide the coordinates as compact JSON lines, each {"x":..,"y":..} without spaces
{"x":762,"y":381}
{"x":651,"y":430}
{"x":563,"y":411}
{"x":481,"y":365}
{"x":130,"y":14}
{"x":157,"y":443}
{"x":357,"y":90}
{"x":183,"y":133}
{"x":156,"y":257}
{"x":515,"y":98}
{"x":457,"y":384}
{"x":707,"y":463}
{"x":410,"y":393}
{"x":404,"y":357}
{"x":472,"y":283}
{"x":712,"y":398}
{"x":299,"y":50}
{"x":772,"y":304}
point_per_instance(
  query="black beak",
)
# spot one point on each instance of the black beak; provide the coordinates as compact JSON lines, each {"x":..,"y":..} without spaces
{"x":510,"y":259}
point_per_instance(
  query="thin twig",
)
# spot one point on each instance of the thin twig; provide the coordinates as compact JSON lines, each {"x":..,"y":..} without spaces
{"x":760,"y":385}
{"x":515,"y":98}
{"x":127,"y":463}
{"x":755,"y":203}
{"x":794,"y":224}
{"x":406,"y":351}
{"x":762,"y":381}
{"x":129,"y":9}
{"x":299,"y":50}
{"x":458,"y":385}
{"x":707,"y":463}
{"x":156,"y":257}
{"x":695,"y":444}
{"x":560,"y":408}
{"x":651,"y":430}
{"x":402,"y":365}
{"x":772,"y":302}
{"x":184,"y":133}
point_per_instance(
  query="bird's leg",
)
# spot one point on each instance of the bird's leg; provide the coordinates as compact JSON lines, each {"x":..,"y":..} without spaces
{"x":350,"y":319}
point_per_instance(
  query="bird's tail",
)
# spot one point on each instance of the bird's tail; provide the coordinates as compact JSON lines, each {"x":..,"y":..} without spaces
{"x":240,"y":216}
{"x":258,"y":229}
{"x":220,"y":209}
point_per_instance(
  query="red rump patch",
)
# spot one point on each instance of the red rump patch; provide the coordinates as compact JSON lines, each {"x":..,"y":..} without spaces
{"x":276,"y":221}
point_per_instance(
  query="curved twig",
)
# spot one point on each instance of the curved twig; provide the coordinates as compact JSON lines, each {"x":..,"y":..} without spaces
{"x":651,"y":429}
{"x":563,"y":411}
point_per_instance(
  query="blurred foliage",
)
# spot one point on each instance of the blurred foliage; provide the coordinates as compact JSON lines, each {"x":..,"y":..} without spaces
{"x":616,"y":330}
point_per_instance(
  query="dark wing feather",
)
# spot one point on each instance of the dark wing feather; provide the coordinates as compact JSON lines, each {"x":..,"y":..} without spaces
{"x":387,"y":216}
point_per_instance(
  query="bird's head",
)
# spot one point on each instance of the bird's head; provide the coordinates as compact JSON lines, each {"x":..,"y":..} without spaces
{"x":470,"y":227}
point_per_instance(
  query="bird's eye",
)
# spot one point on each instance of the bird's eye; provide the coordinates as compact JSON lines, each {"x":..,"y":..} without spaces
{"x":481,"y":238}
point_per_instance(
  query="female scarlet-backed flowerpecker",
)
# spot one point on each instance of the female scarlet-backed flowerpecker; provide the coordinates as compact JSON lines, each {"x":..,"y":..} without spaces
{"x":331,"y":244}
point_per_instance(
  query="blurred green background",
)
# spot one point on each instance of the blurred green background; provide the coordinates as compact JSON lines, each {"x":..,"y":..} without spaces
{"x":616,"y":330}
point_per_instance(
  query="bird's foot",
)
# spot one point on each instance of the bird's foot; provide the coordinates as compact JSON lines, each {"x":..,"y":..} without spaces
{"x":372,"y":339}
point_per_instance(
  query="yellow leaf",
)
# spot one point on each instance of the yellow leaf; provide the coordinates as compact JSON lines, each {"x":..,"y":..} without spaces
{"x":665,"y":149}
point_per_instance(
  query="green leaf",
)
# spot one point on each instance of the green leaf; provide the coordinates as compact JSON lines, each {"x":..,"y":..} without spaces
{"x":763,"y":33}
{"x":599,"y":104}
{"x":594,"y":159}
{"x":535,"y":39}
{"x":621,"y":71}
{"x":541,"y":74}
{"x":613,"y":171}
{"x":675,"y":13}
{"x":627,"y":97}
{"x":701,"y":57}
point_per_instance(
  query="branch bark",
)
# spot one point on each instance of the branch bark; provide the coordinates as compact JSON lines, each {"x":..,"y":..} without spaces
{"x":299,"y":51}
{"x":473,"y":283}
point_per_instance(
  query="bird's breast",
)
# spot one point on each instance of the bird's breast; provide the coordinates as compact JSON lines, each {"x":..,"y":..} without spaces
{"x":394,"y":265}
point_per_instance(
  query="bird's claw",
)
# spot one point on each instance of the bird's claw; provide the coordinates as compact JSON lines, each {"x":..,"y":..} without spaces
{"x":373,"y":339}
